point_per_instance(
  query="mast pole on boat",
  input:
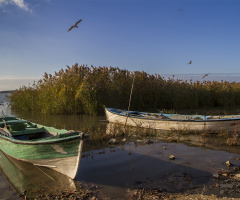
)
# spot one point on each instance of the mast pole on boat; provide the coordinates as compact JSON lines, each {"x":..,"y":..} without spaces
{"x":130,"y":98}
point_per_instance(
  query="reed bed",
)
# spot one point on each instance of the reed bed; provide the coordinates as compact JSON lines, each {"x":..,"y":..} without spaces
{"x":85,"y":90}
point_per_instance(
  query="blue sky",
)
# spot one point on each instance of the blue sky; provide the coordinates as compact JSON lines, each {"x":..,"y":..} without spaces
{"x":149,"y":35}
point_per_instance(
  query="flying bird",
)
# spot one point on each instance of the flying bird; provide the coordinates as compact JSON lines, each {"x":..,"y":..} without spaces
{"x":190,"y":62}
{"x":205,"y":75}
{"x":179,"y":9}
{"x":75,"y":25}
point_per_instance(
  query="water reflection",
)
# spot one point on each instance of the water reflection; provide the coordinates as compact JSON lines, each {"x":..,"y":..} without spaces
{"x":32,"y":179}
{"x":135,"y":164}
{"x":4,"y":105}
{"x":69,"y":122}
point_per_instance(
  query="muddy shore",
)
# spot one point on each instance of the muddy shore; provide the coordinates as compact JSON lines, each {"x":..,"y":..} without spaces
{"x":136,"y":167}
{"x":223,"y":188}
{"x":182,"y":183}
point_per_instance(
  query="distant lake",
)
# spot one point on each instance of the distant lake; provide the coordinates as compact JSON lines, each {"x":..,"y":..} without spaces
{"x":229,"y":77}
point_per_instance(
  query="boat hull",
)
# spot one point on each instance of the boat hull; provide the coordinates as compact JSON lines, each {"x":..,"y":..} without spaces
{"x":229,"y":124}
{"x":62,"y":156}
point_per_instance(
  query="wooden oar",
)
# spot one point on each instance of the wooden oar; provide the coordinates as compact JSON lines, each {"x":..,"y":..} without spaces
{"x":5,"y":125}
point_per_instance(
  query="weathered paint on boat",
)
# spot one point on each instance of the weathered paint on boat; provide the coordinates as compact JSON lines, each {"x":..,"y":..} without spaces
{"x":60,"y":150}
{"x":173,"y":121}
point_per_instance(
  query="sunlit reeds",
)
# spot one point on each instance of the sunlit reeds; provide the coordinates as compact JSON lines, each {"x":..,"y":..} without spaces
{"x":85,"y":90}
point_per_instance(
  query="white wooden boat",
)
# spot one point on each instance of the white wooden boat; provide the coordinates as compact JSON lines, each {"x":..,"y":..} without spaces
{"x":231,"y":123}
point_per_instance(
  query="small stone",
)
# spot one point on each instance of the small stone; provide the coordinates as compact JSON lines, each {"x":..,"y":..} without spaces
{"x":225,"y":174}
{"x":124,"y":140}
{"x":237,"y":176}
{"x":215,"y":176}
{"x":236,"y":168}
{"x":172,"y":157}
{"x":221,"y":172}
{"x":228,"y":163}
{"x":113,"y":141}
{"x":164,"y":147}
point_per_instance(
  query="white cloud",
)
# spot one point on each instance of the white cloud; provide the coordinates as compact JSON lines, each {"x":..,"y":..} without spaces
{"x":19,"y":3}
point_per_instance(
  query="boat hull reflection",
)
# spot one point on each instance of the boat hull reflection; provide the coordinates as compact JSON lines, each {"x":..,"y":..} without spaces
{"x":34,"y":180}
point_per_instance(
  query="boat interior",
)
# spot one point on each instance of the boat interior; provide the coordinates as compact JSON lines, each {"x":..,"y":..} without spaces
{"x":25,"y":130}
{"x":171,"y":116}
{"x":21,"y":129}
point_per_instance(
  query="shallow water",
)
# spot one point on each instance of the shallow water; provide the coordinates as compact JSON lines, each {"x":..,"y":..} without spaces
{"x":117,"y":169}
{"x":135,"y":165}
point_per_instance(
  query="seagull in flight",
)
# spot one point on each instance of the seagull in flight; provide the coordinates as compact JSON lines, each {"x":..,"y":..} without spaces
{"x":205,"y":75}
{"x":75,"y":25}
{"x":190,"y":62}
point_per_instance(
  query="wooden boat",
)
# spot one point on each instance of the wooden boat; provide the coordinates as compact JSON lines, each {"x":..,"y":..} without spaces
{"x":40,"y":145}
{"x":173,"y":121}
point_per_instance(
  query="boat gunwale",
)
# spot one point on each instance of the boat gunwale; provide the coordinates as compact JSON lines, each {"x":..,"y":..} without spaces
{"x":43,"y":142}
{"x":16,"y":121}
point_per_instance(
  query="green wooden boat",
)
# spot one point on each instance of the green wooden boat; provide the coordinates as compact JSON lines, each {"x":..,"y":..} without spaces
{"x":40,"y":145}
